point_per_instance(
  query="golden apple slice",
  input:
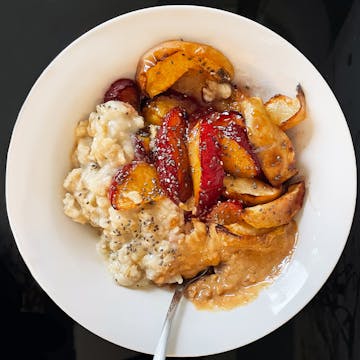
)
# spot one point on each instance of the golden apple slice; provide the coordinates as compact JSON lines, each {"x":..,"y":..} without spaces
{"x":250,"y":191}
{"x":287,"y":112}
{"x":242,"y":228}
{"x":272,"y":146}
{"x":232,"y":242}
{"x":276,"y":212}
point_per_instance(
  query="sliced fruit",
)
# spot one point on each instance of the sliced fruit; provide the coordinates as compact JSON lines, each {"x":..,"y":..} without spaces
{"x":206,"y":168}
{"x":144,"y":135}
{"x":287,"y":112}
{"x":155,"y":109}
{"x":271,"y":145}
{"x":237,"y":154}
{"x":141,"y":148}
{"x":229,"y":104}
{"x":171,"y":157}
{"x":276,"y":212}
{"x":243,"y":228}
{"x":226,"y":212}
{"x":161,"y":66}
{"x":192,"y":84}
{"x":202,"y":113}
{"x":200,"y":85}
{"x":124,"y":90}
{"x":134,"y":184}
{"x":250,"y":191}
{"x":269,"y":241}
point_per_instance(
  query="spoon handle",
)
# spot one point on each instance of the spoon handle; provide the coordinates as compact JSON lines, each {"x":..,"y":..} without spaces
{"x":160,"y":352}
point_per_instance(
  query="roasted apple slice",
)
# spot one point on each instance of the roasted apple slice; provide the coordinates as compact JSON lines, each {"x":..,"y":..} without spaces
{"x":155,"y":109}
{"x":272,"y":146}
{"x":250,"y":191}
{"x":206,"y":167}
{"x":226,"y":212}
{"x":276,"y":212}
{"x":134,"y":184}
{"x":272,"y":240}
{"x":124,"y":90}
{"x":171,"y":157}
{"x":242,"y":228}
{"x":287,"y":112}
{"x":237,"y":154}
{"x":161,"y":66}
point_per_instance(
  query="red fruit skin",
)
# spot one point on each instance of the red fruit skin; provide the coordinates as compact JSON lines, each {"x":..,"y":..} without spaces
{"x":140,"y":154}
{"x":171,"y":156}
{"x":232,"y":125}
{"x":226,"y":212}
{"x":200,"y":114}
{"x":124,"y":90}
{"x":212,"y":172}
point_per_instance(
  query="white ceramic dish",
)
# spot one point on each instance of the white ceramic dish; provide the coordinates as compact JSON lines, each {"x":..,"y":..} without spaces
{"x":61,"y":254}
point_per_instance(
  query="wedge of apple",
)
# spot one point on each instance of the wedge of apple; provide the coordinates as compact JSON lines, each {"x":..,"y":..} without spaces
{"x":161,"y":66}
{"x":133,"y":185}
{"x":272,"y":146}
{"x":206,"y":166}
{"x":171,"y":156}
{"x":277,"y":212}
{"x":242,"y":228}
{"x":237,"y":153}
{"x":250,"y":191}
{"x":287,"y":112}
{"x":226,"y":212}
{"x":265,"y":242}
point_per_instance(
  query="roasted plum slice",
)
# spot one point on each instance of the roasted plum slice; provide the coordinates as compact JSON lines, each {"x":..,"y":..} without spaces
{"x":161,"y":66}
{"x":124,"y":90}
{"x":225,"y":212}
{"x":206,"y":166}
{"x":237,"y":153}
{"x":134,"y":184}
{"x":171,"y":156}
{"x":155,"y":109}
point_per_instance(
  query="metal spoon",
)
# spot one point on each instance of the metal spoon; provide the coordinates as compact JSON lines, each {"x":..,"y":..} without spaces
{"x":160,"y":352}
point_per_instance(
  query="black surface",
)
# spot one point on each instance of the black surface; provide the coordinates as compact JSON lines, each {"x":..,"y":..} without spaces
{"x":33,"y":32}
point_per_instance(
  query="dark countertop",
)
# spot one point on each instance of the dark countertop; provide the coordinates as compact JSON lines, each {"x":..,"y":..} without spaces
{"x":33,"y":32}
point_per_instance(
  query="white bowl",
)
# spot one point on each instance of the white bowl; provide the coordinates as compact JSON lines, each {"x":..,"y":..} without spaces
{"x":61,"y":254}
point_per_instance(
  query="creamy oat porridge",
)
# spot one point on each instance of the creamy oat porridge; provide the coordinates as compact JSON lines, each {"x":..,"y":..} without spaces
{"x":183,"y":170}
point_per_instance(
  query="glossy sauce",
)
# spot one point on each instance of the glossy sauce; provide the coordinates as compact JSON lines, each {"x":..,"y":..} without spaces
{"x":239,"y":278}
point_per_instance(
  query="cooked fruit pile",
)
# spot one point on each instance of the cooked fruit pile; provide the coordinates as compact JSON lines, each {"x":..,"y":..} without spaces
{"x":220,"y":154}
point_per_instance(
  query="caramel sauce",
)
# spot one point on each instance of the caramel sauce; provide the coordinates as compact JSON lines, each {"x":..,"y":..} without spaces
{"x":241,"y":275}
